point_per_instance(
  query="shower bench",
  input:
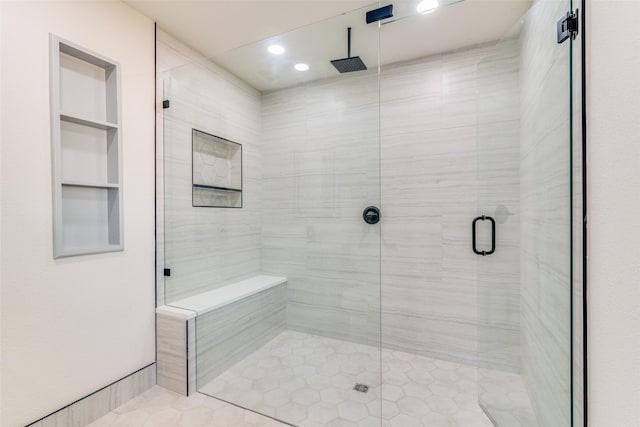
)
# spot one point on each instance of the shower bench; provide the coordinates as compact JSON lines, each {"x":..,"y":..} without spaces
{"x":209,"y":332}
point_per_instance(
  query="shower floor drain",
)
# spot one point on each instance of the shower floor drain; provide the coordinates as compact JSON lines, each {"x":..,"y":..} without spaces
{"x":361,"y":388}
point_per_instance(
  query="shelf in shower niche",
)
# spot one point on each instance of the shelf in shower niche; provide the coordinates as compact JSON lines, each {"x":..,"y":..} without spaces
{"x":212,"y":187}
{"x":216,"y":171}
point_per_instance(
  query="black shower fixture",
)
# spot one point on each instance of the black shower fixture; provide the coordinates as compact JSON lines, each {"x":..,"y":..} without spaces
{"x":350,"y":63}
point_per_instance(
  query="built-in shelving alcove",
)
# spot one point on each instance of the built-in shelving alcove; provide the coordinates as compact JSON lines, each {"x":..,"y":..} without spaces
{"x":86,"y":138}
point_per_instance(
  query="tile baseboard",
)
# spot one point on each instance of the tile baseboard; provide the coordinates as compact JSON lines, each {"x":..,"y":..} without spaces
{"x":99,"y":403}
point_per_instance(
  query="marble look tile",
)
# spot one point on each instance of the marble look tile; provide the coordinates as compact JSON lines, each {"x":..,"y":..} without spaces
{"x":504,"y":395}
{"x":161,"y":407}
{"x":206,"y":247}
{"x":231,"y":333}
{"x":322,"y":385}
{"x":192,"y":377}
{"x":431,"y":122}
{"x":428,"y":153}
{"x":499,"y":275}
{"x":319,"y":172}
{"x":171,"y":54}
{"x":99,"y":404}
{"x":314,"y":164}
{"x":171,"y":356}
{"x":545,"y":216}
{"x":314,"y":180}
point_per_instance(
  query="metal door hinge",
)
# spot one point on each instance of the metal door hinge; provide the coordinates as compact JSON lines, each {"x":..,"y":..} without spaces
{"x":167,"y":272}
{"x":165,"y":103}
{"x":568,"y":26}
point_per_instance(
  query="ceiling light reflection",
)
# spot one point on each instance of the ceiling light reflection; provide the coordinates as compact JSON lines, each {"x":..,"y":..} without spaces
{"x":276,"y":49}
{"x":427,"y":6}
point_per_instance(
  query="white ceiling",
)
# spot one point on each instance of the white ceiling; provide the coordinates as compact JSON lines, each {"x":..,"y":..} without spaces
{"x":218,"y":29}
{"x":215,"y":26}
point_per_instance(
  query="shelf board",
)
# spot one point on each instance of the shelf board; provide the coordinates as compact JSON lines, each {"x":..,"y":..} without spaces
{"x":212,"y":187}
{"x":89,"y":184}
{"x":85,"y":55}
{"x":87,"y":122}
{"x":89,"y":251}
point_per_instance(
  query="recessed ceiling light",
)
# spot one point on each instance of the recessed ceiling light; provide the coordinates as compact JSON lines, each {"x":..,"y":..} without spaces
{"x":276,"y":49}
{"x":301,"y":67}
{"x":427,"y":6}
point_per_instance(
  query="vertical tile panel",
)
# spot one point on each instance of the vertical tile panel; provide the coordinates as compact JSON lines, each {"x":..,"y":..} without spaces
{"x":172,"y":353}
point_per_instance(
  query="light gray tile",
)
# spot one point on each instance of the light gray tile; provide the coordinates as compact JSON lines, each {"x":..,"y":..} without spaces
{"x":205,"y":247}
{"x":171,"y":353}
{"x":545,"y":217}
{"x":161,"y":407}
{"x":228,"y":334}
{"x":432,"y":114}
{"x":308,"y":380}
{"x":320,"y":167}
{"x":100,"y":403}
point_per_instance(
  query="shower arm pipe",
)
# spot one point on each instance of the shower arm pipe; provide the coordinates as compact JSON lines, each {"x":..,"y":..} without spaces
{"x":349,"y":42}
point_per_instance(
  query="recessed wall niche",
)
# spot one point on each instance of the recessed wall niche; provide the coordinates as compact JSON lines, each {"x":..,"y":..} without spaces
{"x":86,"y":146}
{"x":217,"y":171}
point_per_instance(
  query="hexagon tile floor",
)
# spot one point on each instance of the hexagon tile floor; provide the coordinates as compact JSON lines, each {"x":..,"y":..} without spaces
{"x":307,"y":380}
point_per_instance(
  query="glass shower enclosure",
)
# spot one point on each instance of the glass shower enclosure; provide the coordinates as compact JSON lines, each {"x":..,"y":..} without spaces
{"x":280,"y":179}
{"x":525,"y":305}
{"x":385,"y":247}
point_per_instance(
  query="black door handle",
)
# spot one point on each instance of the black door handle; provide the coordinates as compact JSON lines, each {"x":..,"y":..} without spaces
{"x":493,"y":235}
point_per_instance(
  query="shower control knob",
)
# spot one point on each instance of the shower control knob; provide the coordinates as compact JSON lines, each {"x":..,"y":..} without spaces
{"x":371,"y":215}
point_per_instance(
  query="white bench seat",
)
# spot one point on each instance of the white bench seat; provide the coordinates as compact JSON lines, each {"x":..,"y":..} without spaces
{"x":219,"y":297}
{"x":233,"y":321}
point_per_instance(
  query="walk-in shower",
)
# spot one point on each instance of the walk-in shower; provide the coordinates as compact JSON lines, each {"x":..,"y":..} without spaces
{"x":389,"y":244}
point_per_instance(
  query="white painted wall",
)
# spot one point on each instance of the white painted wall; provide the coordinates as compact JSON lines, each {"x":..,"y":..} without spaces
{"x":71,"y":326}
{"x":614,"y":201}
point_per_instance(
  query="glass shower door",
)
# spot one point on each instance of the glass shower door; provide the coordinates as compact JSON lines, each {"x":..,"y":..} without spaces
{"x":306,"y":142}
{"x":523,"y":228}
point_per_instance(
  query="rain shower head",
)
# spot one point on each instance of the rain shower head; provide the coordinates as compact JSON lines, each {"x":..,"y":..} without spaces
{"x":347,"y":65}
{"x":350,"y":63}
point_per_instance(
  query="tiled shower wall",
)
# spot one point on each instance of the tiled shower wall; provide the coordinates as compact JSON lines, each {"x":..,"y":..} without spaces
{"x":320,"y":170}
{"x":430,"y":196}
{"x":309,"y":171}
{"x":320,"y":163}
{"x":204,"y":247}
{"x":499,"y":290}
{"x":545,"y":198}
